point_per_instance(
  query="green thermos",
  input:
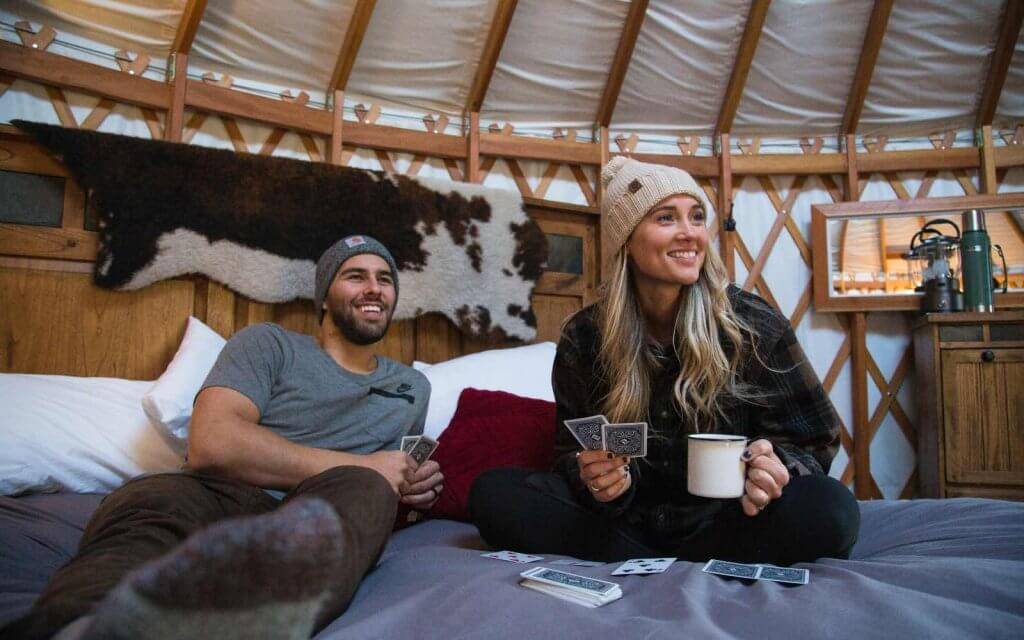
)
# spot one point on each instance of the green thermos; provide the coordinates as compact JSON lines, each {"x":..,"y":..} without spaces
{"x":976,"y":262}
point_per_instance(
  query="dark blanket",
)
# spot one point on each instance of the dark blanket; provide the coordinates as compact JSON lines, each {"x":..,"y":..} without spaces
{"x":922,"y":569}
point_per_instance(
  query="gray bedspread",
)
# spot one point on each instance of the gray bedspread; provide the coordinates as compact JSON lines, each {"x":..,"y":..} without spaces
{"x":921,"y":569}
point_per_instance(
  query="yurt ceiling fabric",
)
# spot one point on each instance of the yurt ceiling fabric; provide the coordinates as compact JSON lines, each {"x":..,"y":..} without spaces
{"x":932,"y":65}
{"x":1011,"y":102}
{"x":556,"y":57}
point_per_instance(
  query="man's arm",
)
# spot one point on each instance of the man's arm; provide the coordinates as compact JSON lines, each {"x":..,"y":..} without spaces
{"x":226,"y":439}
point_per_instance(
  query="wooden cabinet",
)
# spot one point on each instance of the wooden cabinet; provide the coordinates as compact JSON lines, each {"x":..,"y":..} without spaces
{"x":970,"y":397}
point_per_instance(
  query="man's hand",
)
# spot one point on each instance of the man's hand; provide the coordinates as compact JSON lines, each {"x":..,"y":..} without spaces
{"x":604,"y":473}
{"x":396,"y":467}
{"x":425,"y":487}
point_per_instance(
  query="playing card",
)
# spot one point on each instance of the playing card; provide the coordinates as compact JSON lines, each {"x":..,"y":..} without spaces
{"x":587,"y":431}
{"x":512,"y":556}
{"x":573,"y":562}
{"x":628,"y":439}
{"x":421,"y":451}
{"x":571,"y":581}
{"x":643,"y":566}
{"x":408,"y":442}
{"x":732,"y":569}
{"x":784,"y":574}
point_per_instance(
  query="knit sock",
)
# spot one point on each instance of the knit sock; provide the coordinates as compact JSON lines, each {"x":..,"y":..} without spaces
{"x":255,"y":577}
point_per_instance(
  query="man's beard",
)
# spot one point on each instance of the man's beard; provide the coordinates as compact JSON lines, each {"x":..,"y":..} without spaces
{"x":355,"y":330}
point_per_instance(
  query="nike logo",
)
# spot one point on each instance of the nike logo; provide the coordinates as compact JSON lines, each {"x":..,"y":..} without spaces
{"x":398,"y":396}
{"x":403,"y":387}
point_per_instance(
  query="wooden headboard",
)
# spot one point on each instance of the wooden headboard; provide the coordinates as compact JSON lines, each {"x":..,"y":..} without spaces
{"x":53,"y":319}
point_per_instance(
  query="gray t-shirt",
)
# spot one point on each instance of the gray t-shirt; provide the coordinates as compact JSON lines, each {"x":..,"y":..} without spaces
{"x":304,"y":395}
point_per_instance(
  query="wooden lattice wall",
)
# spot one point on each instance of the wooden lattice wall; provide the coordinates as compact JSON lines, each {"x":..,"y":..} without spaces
{"x":185,"y":105}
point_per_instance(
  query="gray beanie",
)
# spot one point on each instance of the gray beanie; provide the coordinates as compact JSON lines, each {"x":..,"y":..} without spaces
{"x":332,"y":259}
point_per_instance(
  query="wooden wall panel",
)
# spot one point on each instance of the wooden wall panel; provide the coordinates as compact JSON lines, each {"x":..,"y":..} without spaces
{"x":61,"y":323}
{"x":551,"y":313}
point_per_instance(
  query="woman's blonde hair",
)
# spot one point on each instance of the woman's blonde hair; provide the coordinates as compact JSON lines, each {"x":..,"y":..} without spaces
{"x":707,"y":373}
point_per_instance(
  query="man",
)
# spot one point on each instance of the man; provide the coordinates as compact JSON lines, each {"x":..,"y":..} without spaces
{"x":294,"y":476}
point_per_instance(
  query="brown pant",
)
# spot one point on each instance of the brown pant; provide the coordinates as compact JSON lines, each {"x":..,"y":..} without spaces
{"x":149,"y":516}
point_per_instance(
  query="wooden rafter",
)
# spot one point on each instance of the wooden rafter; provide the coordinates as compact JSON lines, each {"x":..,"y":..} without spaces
{"x":741,"y":66}
{"x":1009,"y":29}
{"x":188,"y":26}
{"x":623,"y":54}
{"x":350,"y":46}
{"x":492,"y":50}
{"x":866,"y":65}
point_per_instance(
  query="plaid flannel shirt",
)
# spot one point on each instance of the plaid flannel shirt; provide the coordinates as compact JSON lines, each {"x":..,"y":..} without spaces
{"x":795,"y":414}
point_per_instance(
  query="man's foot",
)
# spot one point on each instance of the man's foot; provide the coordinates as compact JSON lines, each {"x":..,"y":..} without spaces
{"x":264,"y":576}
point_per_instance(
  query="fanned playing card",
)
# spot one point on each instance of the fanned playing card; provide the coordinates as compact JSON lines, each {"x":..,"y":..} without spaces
{"x":643,"y":566}
{"x":421,"y":449}
{"x":512,"y":556}
{"x":629,"y":439}
{"x":408,"y":442}
{"x":587,"y":431}
{"x":733,"y":569}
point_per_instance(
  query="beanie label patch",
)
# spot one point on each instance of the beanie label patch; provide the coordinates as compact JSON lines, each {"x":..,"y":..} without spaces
{"x":354,"y":241}
{"x":635,"y":186}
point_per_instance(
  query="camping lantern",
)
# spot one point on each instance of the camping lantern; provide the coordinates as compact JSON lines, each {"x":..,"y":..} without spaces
{"x":934,"y":266}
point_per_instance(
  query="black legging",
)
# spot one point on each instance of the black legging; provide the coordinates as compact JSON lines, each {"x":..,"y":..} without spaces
{"x":535,"y":512}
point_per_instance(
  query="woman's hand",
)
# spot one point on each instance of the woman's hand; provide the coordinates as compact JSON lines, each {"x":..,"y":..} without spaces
{"x":766,"y":476}
{"x":605,"y":474}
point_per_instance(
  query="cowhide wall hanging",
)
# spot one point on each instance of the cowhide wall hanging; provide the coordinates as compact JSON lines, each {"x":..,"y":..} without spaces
{"x":258,"y":224}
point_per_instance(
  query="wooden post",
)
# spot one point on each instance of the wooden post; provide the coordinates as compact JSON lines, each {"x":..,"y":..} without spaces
{"x":987,"y":176}
{"x":179,"y":85}
{"x":725,"y":205}
{"x":334,"y":150}
{"x":473,"y":148}
{"x":861,"y":437}
{"x":858,"y":355}
{"x":852,"y":178}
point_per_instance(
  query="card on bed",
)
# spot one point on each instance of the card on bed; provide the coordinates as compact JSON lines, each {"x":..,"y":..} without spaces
{"x":643,"y":566}
{"x":587,"y":431}
{"x":786,"y":575}
{"x":628,"y":439}
{"x":573,"y":562}
{"x":512,"y":556}
{"x":585,"y":585}
{"x":733,"y":569}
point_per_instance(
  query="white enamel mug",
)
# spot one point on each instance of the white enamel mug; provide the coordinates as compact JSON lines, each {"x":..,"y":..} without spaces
{"x":714,"y":466}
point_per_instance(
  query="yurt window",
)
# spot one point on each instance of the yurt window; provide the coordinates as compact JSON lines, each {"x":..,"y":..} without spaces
{"x":31,"y":199}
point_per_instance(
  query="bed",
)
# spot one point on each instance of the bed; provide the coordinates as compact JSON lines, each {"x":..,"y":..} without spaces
{"x":921,"y":568}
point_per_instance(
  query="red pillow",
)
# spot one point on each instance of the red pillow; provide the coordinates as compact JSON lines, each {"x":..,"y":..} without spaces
{"x":491,"y":429}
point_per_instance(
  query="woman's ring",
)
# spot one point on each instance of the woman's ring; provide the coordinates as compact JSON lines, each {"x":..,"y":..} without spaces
{"x":593,"y":489}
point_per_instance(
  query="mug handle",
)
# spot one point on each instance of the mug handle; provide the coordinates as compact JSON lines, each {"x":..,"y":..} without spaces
{"x":1006,"y":274}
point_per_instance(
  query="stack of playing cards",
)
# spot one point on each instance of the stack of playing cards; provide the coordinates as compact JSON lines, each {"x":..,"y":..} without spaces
{"x":787,"y":575}
{"x":595,"y":432}
{"x":589,"y":592}
{"x":419,"y":447}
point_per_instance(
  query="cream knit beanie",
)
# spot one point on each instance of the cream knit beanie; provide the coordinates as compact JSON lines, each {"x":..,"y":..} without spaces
{"x":631,"y":188}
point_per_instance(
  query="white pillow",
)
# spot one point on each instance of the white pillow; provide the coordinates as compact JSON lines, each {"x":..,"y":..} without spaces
{"x":169,"y":402}
{"x":524,"y":371}
{"x":76,"y":434}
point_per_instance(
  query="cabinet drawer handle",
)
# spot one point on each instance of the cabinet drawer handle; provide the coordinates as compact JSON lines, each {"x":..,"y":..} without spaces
{"x":988,"y":356}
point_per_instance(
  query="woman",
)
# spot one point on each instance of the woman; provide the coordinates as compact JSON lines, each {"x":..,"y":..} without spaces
{"x":674,"y":344}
